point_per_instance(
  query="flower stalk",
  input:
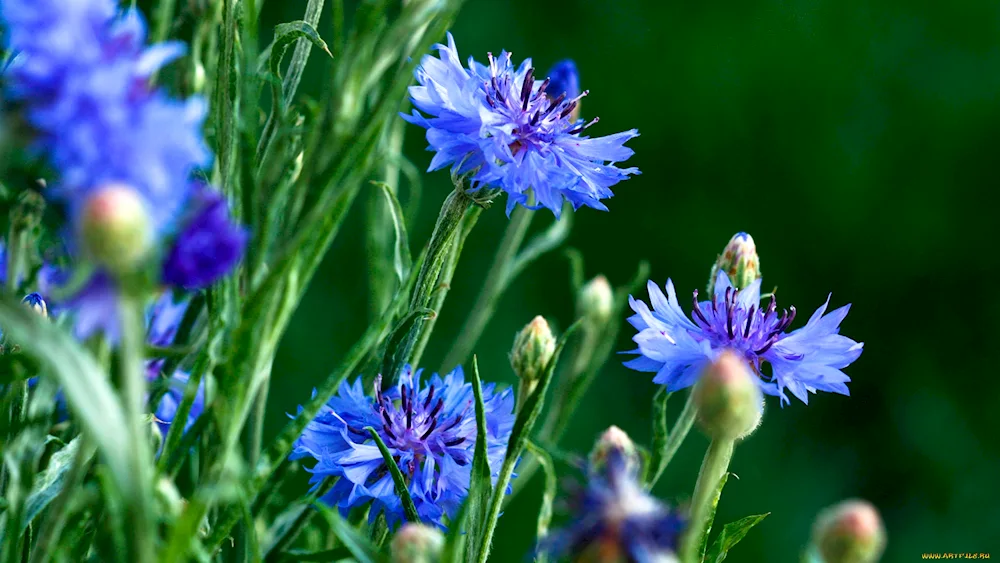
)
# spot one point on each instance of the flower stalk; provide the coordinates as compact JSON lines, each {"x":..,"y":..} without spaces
{"x":711,"y":478}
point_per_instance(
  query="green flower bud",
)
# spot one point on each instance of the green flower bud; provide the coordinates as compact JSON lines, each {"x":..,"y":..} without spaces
{"x":417,"y":543}
{"x":595,"y":302}
{"x":115,"y":228}
{"x":533,"y":348}
{"x":614,"y":441}
{"x":739,"y":261}
{"x":729,"y":401}
{"x":849,"y":532}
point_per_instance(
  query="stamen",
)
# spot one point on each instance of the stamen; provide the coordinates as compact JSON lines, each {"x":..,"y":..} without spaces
{"x":437,"y":408}
{"x":529,"y":81}
{"x":567,"y":110}
{"x":430,"y":395}
{"x":454,"y":442}
{"x":770,"y":342}
{"x":543,"y":86}
{"x":746,"y":331}
{"x":429,"y":429}
{"x":697,"y":309}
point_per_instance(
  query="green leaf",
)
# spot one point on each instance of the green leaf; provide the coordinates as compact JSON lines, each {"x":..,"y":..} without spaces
{"x":397,"y":477}
{"x":361,"y":548}
{"x":398,"y":336}
{"x":657,"y":461}
{"x":711,"y":516}
{"x":456,"y":537}
{"x":285,"y":34}
{"x":87,"y":391}
{"x":548,"y":496}
{"x":480,"y":488}
{"x":401,"y":259}
{"x":527,"y":416}
{"x":49,"y":482}
{"x":731,"y":535}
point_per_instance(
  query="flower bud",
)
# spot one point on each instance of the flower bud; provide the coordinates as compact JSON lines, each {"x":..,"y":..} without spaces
{"x":533,"y":348}
{"x":849,"y":532}
{"x":565,"y":80}
{"x":115,"y":227}
{"x":729,"y":401}
{"x":595,"y":302}
{"x":739,"y":261}
{"x":614,"y":443}
{"x":417,"y":543}
{"x":36,"y":303}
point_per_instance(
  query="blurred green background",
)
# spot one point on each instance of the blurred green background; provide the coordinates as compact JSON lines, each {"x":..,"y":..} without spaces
{"x":858,"y":143}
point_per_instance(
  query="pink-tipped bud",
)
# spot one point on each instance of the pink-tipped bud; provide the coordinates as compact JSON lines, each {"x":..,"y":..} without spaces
{"x":849,"y":532}
{"x":730,"y":403}
{"x":532,"y":350}
{"x":614,"y":442}
{"x":417,"y":543}
{"x":739,"y":260}
{"x":115,"y":228}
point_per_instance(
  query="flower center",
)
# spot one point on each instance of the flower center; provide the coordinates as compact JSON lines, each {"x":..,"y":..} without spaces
{"x":751,"y":330}
{"x":535,"y":115}
{"x":415,"y":424}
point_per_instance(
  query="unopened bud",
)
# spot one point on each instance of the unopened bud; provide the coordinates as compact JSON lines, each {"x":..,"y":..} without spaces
{"x":739,"y":261}
{"x":849,"y":532}
{"x":115,"y":227}
{"x":595,"y":302}
{"x":614,"y":444}
{"x":565,"y":80}
{"x":533,"y":348}
{"x":417,"y":543}
{"x":729,"y":401}
{"x":36,"y":303}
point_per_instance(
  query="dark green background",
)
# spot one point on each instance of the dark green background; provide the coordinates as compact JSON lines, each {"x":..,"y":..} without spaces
{"x":858,"y":143}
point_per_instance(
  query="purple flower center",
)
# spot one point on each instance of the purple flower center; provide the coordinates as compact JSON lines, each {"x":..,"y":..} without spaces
{"x":535,"y":115}
{"x":750,"y":330}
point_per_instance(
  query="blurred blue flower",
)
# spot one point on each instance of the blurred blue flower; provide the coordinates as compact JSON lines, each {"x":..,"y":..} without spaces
{"x":678,"y":349}
{"x":617,"y":520}
{"x":83,"y":74}
{"x":209,"y":246}
{"x":430,"y":428}
{"x":501,"y":124}
{"x":564,"y":79}
{"x":163,"y":320}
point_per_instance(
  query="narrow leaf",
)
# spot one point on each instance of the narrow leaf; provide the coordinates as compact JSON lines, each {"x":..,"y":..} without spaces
{"x":711,"y":516}
{"x":548,"y":496}
{"x":286,"y":33}
{"x":399,"y":335}
{"x":401,"y":259}
{"x":50,"y":482}
{"x":658,"y":459}
{"x":456,"y":537}
{"x":87,"y":391}
{"x":481,"y":486}
{"x":361,"y":548}
{"x":731,"y":535}
{"x":397,"y":477}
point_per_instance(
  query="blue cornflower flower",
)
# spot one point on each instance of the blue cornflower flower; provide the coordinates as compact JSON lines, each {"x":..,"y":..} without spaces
{"x":430,"y":428}
{"x":678,"y":349}
{"x":617,"y":520}
{"x":501,"y":125}
{"x":564,"y":79}
{"x":209,"y":246}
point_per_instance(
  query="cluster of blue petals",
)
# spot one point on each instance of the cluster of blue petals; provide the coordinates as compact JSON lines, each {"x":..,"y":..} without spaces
{"x":617,"y":520}
{"x":429,"y":427}
{"x":83,"y":71}
{"x":678,"y":349}
{"x":509,"y":129}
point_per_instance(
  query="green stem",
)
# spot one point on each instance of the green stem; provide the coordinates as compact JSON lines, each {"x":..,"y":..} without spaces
{"x":444,"y":285}
{"x":676,"y":437}
{"x":714,"y":469}
{"x":140,"y":505}
{"x":164,"y":16}
{"x":438,"y":253}
{"x":256,"y":426}
{"x":493,"y":287}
